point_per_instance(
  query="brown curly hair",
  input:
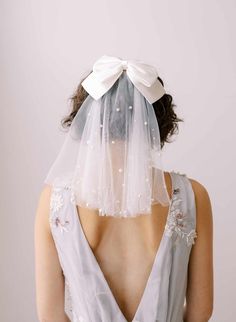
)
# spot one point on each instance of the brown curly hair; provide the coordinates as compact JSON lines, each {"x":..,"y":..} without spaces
{"x":164,"y":110}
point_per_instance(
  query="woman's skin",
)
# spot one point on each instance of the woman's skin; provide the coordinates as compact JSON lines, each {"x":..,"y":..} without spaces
{"x":114,"y":258}
{"x":200,"y":287}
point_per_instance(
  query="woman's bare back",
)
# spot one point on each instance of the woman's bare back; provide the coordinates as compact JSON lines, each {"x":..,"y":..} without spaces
{"x":125,"y":250}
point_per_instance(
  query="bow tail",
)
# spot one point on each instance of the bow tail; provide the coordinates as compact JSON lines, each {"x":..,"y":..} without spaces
{"x":151,"y":93}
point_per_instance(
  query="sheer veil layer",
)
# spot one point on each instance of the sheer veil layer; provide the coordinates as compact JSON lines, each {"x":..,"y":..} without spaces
{"x":112,"y":153}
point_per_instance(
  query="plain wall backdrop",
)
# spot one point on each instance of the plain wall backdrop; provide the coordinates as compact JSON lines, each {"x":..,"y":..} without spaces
{"x":47,"y":46}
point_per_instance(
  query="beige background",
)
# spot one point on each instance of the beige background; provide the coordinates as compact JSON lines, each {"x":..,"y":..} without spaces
{"x":46,"y":46}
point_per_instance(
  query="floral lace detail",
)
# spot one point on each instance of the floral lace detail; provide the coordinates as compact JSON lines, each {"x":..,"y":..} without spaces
{"x":56,"y":203}
{"x":72,"y":197}
{"x":68,"y":186}
{"x":177,"y":221}
{"x":60,"y":223}
{"x":190,"y":237}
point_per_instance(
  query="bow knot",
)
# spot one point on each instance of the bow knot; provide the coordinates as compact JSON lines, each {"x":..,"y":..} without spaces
{"x":124,"y":64}
{"x":107,"y":69}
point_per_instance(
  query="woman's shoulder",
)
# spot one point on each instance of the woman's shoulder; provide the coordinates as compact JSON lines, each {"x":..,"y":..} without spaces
{"x":46,"y":195}
{"x":43,"y":209}
{"x":203,"y":204}
{"x":200,"y":269}
{"x":201,"y":198}
{"x":200,"y":191}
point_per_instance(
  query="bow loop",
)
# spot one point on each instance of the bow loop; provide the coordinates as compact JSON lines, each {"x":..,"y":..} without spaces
{"x":108,"y":69}
{"x":143,"y":73}
{"x":104,"y":68}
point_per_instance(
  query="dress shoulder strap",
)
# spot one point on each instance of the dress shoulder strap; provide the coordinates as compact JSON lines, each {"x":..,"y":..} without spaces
{"x":182,"y":181}
{"x":182,"y":219}
{"x":61,"y":198}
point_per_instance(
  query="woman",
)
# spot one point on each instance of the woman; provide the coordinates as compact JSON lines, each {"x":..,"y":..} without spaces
{"x":157,"y":263}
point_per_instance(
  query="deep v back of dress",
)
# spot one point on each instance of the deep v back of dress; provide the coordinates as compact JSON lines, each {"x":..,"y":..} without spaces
{"x":98,"y":284}
{"x":125,"y":250}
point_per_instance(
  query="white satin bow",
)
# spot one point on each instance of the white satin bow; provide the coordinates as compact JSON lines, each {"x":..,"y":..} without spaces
{"x":107,"y":69}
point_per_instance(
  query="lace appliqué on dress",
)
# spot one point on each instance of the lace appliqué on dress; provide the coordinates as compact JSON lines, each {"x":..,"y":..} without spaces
{"x":177,"y":221}
{"x":56,"y":203}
